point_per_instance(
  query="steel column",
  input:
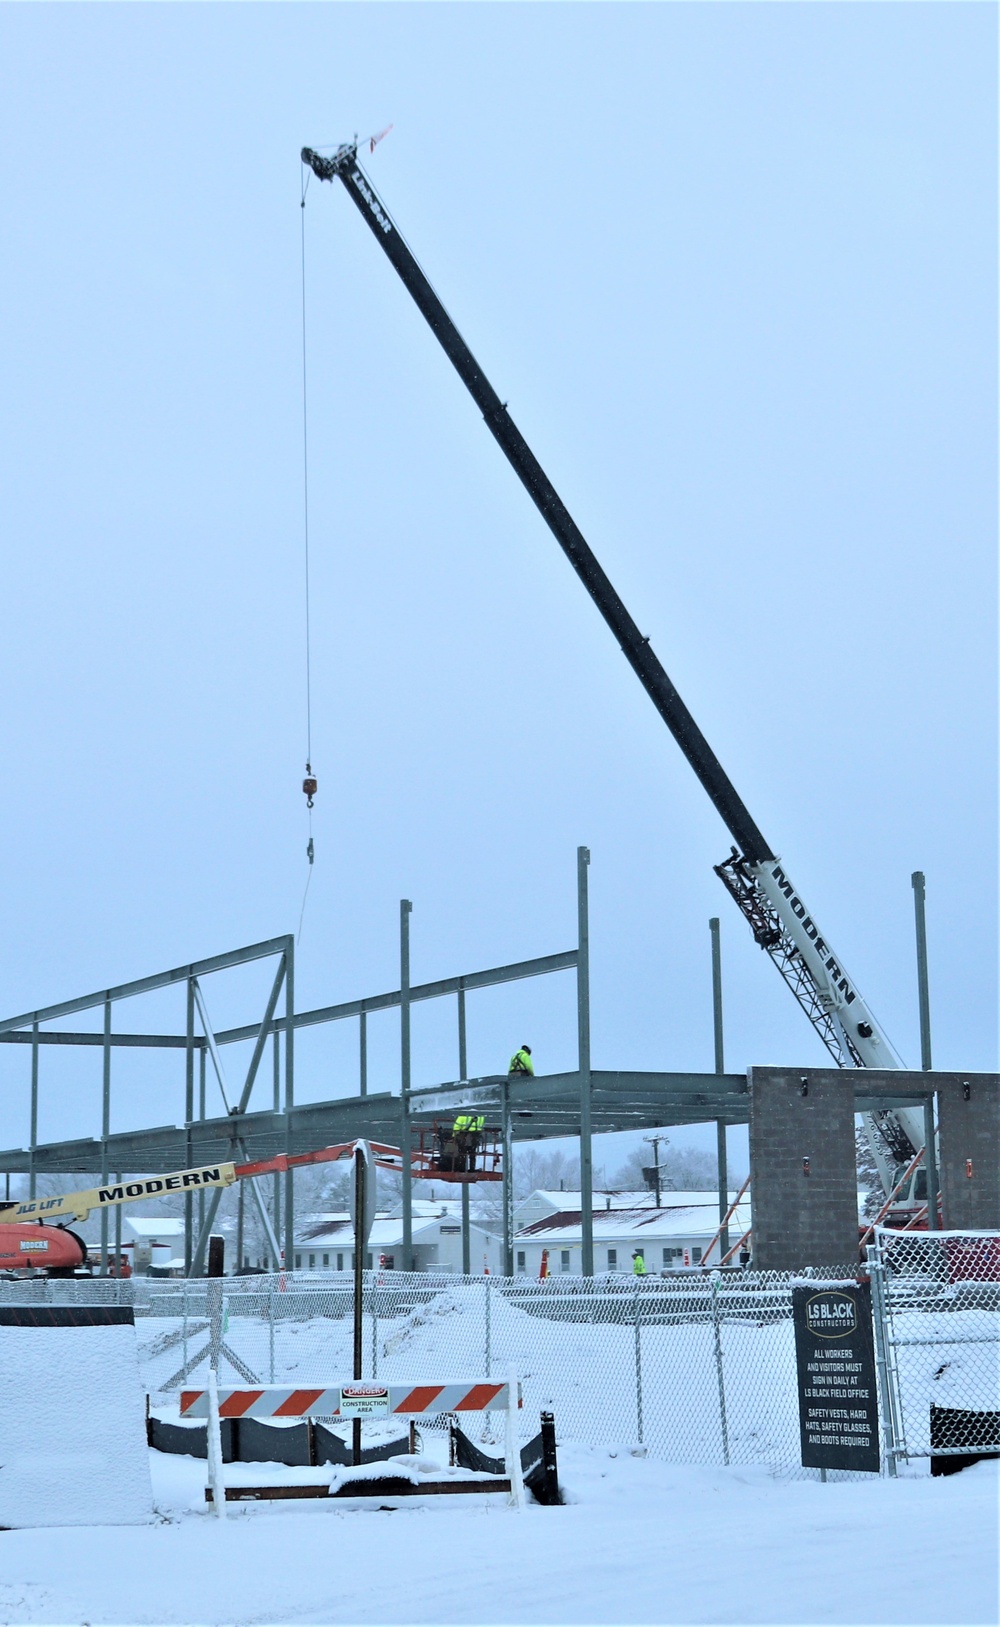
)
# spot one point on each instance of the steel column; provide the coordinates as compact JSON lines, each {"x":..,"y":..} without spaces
{"x":363,"y":1050}
{"x":508,"y":1181}
{"x":923,"y":992}
{"x":404,"y":1060}
{"x":720,"y":1067}
{"x":463,"y":1073}
{"x":930,"y":1155}
{"x":188,"y":1117}
{"x":32,"y":1145}
{"x":202,"y":1081}
{"x":289,"y":1100}
{"x":583,"y":1061}
{"x":105,"y":1127}
{"x":276,"y":1193}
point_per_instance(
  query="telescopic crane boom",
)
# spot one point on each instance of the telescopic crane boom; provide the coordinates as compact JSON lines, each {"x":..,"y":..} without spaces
{"x":753,"y":874}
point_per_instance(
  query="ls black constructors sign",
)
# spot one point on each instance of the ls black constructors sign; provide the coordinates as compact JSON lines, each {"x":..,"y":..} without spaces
{"x":838,"y":1395}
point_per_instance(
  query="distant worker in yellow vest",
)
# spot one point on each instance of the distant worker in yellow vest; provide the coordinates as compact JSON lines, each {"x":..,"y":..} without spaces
{"x":638,"y":1263}
{"x":466,"y":1132}
{"x":521,"y":1061}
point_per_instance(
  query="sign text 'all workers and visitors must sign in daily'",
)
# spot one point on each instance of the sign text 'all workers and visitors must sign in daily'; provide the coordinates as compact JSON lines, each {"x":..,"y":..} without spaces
{"x":838,"y":1398}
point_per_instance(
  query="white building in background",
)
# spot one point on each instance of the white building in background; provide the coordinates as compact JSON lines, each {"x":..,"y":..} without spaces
{"x":675,"y":1235}
{"x":326,"y":1242}
{"x":157,"y":1241}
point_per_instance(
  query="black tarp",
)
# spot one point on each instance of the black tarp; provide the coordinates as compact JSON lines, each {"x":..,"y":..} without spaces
{"x":249,"y":1440}
{"x":538,"y":1460}
{"x":959,"y":1426}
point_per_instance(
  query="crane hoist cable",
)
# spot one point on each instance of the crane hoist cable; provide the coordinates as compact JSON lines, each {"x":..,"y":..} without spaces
{"x":309,"y":784}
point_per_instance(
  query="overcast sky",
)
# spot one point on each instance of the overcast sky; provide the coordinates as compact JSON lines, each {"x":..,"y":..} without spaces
{"x":734,"y":270}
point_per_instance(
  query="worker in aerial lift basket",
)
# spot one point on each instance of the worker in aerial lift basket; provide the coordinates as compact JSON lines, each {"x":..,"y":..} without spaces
{"x":467,"y":1133}
{"x":521,"y":1061}
{"x":638,"y":1263}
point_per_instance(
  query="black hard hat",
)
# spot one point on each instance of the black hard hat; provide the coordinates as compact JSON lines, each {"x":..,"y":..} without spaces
{"x":526,"y":1048}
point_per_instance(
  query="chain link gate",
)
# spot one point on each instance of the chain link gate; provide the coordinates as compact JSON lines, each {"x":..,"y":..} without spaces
{"x":940,"y":1321}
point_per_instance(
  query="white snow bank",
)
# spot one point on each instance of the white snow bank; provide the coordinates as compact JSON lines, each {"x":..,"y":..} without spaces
{"x":640,"y":1542}
{"x":72,"y":1428}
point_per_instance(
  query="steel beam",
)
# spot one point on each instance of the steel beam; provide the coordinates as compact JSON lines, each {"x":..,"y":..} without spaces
{"x":145,"y":985}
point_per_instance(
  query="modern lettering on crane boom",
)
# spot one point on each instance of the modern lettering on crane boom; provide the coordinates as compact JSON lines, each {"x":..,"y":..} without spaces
{"x":811,"y":930}
{"x":211,"y":1176}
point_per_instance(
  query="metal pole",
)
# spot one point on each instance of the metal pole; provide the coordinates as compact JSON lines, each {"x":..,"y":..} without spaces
{"x":188,"y":1118}
{"x":466,"y":1232}
{"x":930,"y":1155}
{"x":720,"y":1067}
{"x":638,"y":1364}
{"x":202,"y":1081}
{"x":404,"y":1057}
{"x":719,"y":1376}
{"x":875,"y":1272}
{"x":920,"y":923}
{"x":32,"y":1145}
{"x":289,"y":1101}
{"x":713,"y":927}
{"x":240,"y":1224}
{"x":508,"y":1181}
{"x":359,"y":1284}
{"x":105,"y":1128}
{"x":276,"y":1194}
{"x":463,"y":1073}
{"x":118,"y":1234}
{"x":363,"y":1052}
{"x":583,"y":1063}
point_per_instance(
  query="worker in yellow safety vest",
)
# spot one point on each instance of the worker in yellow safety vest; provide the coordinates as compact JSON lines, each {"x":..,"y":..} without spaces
{"x":638,"y":1263}
{"x":521,"y":1061}
{"x":466,"y":1132}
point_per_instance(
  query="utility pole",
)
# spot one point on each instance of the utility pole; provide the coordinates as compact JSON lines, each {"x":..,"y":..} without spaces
{"x":655,"y":1143}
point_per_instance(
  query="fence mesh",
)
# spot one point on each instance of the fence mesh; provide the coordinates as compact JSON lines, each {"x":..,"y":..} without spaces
{"x":941,"y":1295}
{"x":696,"y":1368}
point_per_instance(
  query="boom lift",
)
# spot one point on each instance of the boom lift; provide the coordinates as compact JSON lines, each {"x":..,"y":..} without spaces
{"x":753,"y":874}
{"x":35,"y":1237}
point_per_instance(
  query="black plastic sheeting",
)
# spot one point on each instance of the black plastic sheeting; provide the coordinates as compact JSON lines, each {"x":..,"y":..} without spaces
{"x":65,"y":1316}
{"x":248,"y":1440}
{"x":958,"y":1426}
{"x":538,"y":1460}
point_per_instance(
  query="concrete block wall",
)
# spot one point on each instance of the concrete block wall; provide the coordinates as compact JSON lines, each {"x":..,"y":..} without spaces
{"x":803,"y":1219}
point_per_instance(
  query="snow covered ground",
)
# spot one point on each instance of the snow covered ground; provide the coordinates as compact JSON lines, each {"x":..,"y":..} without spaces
{"x":638,"y":1541}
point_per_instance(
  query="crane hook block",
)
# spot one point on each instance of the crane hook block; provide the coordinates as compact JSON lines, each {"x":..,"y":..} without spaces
{"x":309,"y":786}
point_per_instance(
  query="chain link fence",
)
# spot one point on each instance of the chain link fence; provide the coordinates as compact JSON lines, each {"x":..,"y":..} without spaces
{"x":698,"y":1368}
{"x":940,"y":1323}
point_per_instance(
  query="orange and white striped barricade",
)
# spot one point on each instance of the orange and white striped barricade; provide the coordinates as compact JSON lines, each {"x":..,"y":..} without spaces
{"x":360,"y":1398}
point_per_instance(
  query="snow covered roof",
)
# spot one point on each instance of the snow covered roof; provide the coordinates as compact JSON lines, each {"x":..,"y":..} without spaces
{"x":386,"y":1233}
{"x":154,"y":1226}
{"x":636,"y":1226}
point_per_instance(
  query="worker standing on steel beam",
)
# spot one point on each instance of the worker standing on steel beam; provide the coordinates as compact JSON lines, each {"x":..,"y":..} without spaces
{"x":521,"y":1061}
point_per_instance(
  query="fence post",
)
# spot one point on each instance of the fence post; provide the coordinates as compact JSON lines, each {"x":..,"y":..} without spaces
{"x":488,"y":1280}
{"x":719,"y":1374}
{"x":372,"y":1281}
{"x":876,"y":1274}
{"x":184,"y":1324}
{"x":638,"y":1366}
{"x":270,"y":1331}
